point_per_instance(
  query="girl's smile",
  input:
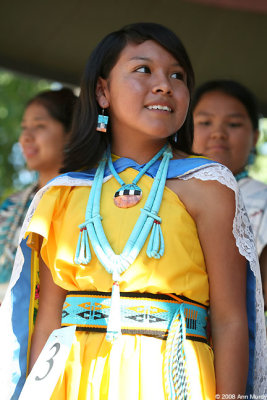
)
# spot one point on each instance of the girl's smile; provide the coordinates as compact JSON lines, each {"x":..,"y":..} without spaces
{"x":146,"y":94}
{"x":42,"y":139}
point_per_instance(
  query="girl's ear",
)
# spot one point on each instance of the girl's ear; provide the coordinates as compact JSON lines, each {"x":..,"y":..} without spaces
{"x":102,"y":93}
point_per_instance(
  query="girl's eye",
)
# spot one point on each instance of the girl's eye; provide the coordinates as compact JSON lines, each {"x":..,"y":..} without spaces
{"x":235,"y":124}
{"x":143,"y":69}
{"x":178,"y":75}
{"x":204,"y":123}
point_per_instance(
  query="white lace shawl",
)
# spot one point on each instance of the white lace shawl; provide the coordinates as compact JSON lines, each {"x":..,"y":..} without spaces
{"x":244,"y":240}
{"x":246,"y":245}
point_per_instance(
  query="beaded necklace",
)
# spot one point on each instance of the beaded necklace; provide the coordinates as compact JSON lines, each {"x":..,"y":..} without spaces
{"x":148,"y":220}
{"x":241,"y":175}
{"x":129,"y":195}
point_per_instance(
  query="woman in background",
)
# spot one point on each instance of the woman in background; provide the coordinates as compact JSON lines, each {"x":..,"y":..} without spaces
{"x":226,"y":121}
{"x":45,"y":127}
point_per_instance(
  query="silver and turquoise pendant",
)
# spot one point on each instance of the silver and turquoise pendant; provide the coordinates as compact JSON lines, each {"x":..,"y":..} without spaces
{"x":127,"y":196}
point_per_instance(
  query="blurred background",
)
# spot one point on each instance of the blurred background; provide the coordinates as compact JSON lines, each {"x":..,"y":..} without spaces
{"x":45,"y":44}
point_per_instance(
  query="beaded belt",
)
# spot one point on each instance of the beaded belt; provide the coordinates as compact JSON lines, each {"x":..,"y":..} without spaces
{"x":141,"y":313}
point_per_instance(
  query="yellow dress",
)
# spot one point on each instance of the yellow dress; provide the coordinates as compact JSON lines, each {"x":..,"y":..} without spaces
{"x":132,"y":367}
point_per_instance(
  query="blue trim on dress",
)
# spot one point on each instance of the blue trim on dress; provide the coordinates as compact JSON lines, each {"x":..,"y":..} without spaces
{"x":176,"y":167}
{"x":251,"y":314}
{"x":21,"y":294}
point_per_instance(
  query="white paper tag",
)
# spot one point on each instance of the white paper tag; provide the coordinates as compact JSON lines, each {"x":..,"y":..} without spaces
{"x":50,"y":363}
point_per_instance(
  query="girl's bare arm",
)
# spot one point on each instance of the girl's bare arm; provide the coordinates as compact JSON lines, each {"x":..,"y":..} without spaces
{"x":48,"y":317}
{"x":212,"y":206}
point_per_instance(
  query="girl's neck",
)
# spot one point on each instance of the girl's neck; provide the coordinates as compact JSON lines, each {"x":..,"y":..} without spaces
{"x":140,"y":153}
{"x":46,"y":176}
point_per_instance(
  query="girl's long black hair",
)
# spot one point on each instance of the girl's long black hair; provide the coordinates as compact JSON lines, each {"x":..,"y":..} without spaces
{"x":86,"y":145}
{"x":60,"y":104}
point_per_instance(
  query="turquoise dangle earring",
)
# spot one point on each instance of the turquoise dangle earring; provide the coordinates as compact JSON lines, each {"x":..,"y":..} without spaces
{"x":102,"y":122}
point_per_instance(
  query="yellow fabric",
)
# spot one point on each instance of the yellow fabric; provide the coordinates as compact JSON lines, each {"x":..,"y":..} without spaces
{"x":131,"y":368}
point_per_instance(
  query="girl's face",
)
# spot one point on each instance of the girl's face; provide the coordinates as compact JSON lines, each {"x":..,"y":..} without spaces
{"x":223,"y":130}
{"x":42,"y":139}
{"x":146,"y":93}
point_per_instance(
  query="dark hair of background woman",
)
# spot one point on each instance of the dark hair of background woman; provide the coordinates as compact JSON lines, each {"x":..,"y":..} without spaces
{"x":60,"y":105}
{"x":86,"y":145}
{"x":234,"y":89}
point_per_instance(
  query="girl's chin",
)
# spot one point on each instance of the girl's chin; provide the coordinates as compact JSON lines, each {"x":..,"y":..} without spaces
{"x":33,"y":166}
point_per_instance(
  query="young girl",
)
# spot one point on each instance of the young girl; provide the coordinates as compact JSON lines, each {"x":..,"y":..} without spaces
{"x":139,"y":244}
{"x":46,"y":124}
{"x":226,"y":129}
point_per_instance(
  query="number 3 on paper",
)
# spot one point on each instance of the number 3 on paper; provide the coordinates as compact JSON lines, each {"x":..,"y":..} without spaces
{"x":46,"y":371}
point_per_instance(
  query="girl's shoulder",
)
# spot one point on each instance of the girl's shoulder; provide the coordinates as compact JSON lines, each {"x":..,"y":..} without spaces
{"x":202,"y":185}
{"x":186,"y":166}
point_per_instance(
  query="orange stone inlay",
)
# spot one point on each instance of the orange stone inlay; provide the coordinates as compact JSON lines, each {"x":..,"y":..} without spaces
{"x":126,"y":201}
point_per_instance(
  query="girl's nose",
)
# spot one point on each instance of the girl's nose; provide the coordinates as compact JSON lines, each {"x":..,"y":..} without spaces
{"x":26,"y":135}
{"x":162,"y":85}
{"x":219,"y":131}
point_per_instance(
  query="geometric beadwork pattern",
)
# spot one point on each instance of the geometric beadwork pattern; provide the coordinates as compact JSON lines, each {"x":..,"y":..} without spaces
{"x":141,"y":313}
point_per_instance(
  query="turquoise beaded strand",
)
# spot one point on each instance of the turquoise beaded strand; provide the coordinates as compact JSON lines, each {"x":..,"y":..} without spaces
{"x":92,"y":229}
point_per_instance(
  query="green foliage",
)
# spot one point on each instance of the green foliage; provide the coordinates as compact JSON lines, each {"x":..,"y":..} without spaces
{"x":259,"y":168}
{"x":15,"y":92}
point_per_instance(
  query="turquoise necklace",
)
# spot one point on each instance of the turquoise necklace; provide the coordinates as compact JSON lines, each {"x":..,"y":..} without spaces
{"x":128,"y":195}
{"x":148,"y":221}
{"x":241,"y":175}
